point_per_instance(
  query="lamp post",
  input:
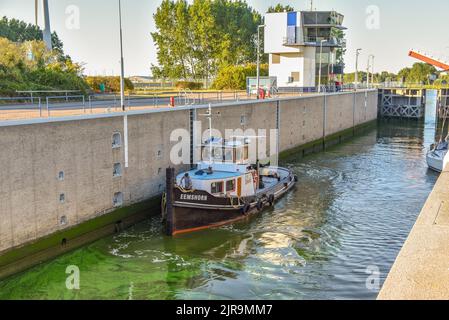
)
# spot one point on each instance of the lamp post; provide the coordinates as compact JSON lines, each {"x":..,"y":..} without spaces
{"x":368,"y":70}
{"x":258,"y":58}
{"x":122,"y":64}
{"x":356,"y":82}
{"x":122,"y":88}
{"x":319,"y":71}
{"x":372,"y":69}
{"x":47,"y":30}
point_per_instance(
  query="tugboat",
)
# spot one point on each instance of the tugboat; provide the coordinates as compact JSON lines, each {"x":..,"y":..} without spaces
{"x":223,"y":189}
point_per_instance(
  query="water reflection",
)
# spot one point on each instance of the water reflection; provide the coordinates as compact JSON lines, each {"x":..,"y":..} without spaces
{"x":352,"y":209}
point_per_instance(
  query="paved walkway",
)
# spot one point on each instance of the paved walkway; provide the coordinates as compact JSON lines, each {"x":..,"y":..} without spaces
{"x":421,"y":270}
{"x":61,"y":109}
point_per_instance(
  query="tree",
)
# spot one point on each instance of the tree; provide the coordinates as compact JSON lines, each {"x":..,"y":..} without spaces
{"x":419,"y":73}
{"x":234,"y":77}
{"x":280,"y":8}
{"x":31,"y":66}
{"x":20,"y":31}
{"x":237,"y":25}
{"x":194,"y":40}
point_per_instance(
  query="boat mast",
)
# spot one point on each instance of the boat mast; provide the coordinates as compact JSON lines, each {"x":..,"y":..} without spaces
{"x":210,"y":132}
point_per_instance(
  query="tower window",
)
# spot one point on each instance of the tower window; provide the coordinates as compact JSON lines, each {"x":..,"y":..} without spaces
{"x":61,"y":176}
{"x":62,"y":198}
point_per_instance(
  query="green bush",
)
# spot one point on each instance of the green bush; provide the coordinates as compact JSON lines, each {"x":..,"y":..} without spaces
{"x":234,"y":77}
{"x":189,"y":85}
{"x":43,"y":71}
{"x":111,"y":84}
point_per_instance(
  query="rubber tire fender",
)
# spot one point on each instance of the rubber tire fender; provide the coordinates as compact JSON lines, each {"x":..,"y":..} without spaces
{"x":245,"y":208}
{"x":259,"y":204}
{"x":271,"y":199}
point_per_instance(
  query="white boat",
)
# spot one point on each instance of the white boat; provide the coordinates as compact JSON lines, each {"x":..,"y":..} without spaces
{"x":436,"y":154}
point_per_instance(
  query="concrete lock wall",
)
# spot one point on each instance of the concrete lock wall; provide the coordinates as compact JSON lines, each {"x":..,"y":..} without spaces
{"x":58,"y":173}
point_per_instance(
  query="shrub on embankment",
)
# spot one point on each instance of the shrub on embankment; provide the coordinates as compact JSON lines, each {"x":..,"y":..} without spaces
{"x":31,"y":66}
{"x":107,"y":84}
{"x":234,"y":76}
{"x":192,"y":85}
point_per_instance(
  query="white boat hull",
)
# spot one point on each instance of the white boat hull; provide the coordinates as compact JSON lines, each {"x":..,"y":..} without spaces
{"x":435,"y":159}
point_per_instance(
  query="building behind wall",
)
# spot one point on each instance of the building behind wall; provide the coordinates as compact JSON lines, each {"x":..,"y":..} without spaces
{"x":293,"y":42}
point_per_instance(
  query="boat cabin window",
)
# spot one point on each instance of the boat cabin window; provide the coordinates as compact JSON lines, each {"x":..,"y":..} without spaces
{"x":230,"y":185}
{"x":232,"y":154}
{"x":216,"y":187}
{"x":217,"y":154}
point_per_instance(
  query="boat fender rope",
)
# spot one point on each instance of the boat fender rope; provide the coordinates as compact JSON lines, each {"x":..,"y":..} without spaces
{"x":164,"y":206}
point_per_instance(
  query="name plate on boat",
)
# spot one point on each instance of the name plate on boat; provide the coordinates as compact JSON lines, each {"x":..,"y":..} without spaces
{"x":193,"y":197}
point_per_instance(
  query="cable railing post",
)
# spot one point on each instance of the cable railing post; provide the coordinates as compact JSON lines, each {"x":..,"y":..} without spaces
{"x":48,"y":108}
{"x":40,"y":107}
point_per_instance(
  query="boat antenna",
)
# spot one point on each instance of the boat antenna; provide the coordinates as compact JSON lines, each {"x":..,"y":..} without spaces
{"x":209,"y":116}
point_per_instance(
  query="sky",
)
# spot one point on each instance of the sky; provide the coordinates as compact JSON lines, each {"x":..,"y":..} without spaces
{"x":387,"y":29}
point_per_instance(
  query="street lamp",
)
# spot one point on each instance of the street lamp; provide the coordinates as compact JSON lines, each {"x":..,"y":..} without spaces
{"x":258,"y":58}
{"x":122,"y":65}
{"x":122,"y":88}
{"x":357,"y":53}
{"x":368,"y":72}
{"x":319,"y":74}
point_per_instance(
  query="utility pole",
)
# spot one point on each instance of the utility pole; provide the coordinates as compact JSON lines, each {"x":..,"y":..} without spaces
{"x":311,"y":5}
{"x":356,"y":82}
{"x":319,"y":71}
{"x":258,"y":59}
{"x":122,"y":64}
{"x":47,"y":30}
{"x":36,"y":12}
{"x":122,"y":87}
{"x":368,"y":71}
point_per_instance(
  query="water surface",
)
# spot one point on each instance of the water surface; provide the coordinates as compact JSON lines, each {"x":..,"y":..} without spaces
{"x":347,"y":219}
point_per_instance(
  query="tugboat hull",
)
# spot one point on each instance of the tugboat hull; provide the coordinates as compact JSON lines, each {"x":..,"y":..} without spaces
{"x":194,"y":210}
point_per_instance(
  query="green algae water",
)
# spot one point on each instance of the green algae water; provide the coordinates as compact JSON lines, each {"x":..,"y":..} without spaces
{"x":330,"y":238}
